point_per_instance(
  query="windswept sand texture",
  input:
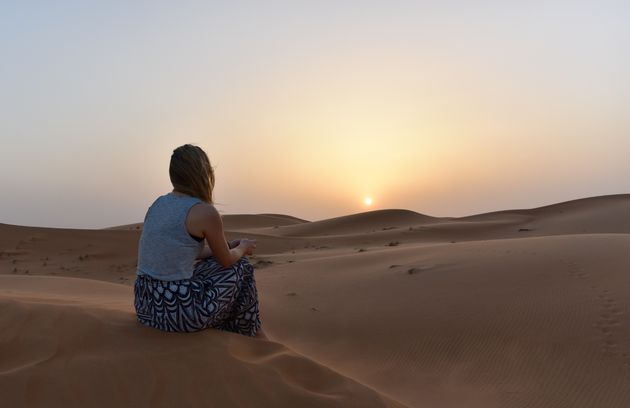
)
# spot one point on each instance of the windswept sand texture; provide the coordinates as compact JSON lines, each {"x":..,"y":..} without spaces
{"x":520,"y":308}
{"x":74,"y":342}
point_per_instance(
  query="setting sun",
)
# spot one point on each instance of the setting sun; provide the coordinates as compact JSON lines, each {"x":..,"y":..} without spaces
{"x":367,"y":201}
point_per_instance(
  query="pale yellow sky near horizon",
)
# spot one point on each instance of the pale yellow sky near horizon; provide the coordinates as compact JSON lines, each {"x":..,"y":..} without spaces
{"x":447,"y":109}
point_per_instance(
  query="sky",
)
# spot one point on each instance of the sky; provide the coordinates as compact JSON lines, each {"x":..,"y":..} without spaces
{"x":447,"y":108}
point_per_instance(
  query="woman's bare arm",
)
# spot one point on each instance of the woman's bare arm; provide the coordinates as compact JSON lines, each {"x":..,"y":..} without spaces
{"x":215,"y":236}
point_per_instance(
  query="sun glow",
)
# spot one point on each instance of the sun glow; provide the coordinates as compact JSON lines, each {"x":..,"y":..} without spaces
{"x":368,"y":201}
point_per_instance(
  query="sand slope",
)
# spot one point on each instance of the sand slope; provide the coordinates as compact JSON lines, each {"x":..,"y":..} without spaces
{"x":509,"y":323}
{"x":519,"y":308}
{"x":75,"y":342}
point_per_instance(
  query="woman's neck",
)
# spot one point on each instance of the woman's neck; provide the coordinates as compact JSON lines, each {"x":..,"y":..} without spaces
{"x":179,"y":194}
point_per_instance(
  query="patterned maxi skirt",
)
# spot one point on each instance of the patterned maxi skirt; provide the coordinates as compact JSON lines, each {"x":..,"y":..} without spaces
{"x":215,"y":296}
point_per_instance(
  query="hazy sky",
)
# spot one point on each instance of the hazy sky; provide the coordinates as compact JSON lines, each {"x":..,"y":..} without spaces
{"x":447,"y":108}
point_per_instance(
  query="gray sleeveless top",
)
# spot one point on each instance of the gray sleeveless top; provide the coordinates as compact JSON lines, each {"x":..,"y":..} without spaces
{"x":166,"y":250}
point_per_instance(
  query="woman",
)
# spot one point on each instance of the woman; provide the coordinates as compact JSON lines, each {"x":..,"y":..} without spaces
{"x":182,"y":286}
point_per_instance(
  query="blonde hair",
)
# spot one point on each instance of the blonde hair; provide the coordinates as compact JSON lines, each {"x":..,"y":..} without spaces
{"x":191,"y":173}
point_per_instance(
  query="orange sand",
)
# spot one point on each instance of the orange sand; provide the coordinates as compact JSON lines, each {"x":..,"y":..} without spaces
{"x":522,"y":308}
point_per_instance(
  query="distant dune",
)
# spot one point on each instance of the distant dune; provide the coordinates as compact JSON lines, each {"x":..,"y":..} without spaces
{"x":590,"y":215}
{"x":237,"y":222}
{"x":234,"y":222}
{"x":358,"y":223}
{"x":517,"y":308}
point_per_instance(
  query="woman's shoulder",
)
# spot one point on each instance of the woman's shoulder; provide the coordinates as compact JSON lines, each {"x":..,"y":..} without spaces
{"x":203,"y":211}
{"x":203,"y":218}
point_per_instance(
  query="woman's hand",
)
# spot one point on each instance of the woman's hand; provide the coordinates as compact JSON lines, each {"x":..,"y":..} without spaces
{"x":248,"y":246}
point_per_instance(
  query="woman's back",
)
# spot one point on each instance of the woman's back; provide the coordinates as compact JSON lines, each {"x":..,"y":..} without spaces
{"x":173,"y":291}
{"x":166,"y":250}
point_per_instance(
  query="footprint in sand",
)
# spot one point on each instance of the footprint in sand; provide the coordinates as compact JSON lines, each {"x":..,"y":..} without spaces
{"x":608,"y":318}
{"x":608,"y":321}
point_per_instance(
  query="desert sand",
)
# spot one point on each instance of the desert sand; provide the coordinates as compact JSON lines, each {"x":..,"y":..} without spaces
{"x":389,"y":308}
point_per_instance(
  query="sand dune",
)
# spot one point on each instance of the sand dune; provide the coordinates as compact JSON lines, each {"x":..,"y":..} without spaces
{"x":133,"y":226}
{"x":506,"y":323}
{"x":358,"y":223}
{"x":237,"y":222}
{"x":108,"y":255}
{"x":75,"y":342}
{"x":606,"y":214}
{"x":518,"y":308}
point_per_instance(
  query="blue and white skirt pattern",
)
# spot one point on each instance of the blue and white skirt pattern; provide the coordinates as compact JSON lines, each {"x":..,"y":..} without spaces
{"x":215,"y":296}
